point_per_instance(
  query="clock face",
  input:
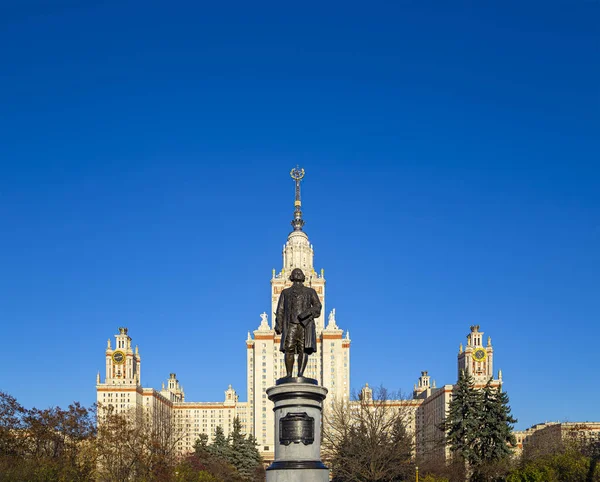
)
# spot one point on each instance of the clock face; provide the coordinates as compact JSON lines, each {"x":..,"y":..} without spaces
{"x":118,"y":357}
{"x":479,"y":354}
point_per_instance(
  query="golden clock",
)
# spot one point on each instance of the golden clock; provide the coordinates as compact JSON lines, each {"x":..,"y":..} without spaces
{"x":118,"y":357}
{"x":479,"y":355}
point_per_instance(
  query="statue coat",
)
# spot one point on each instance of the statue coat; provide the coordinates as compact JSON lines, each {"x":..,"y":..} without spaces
{"x":305,"y":308}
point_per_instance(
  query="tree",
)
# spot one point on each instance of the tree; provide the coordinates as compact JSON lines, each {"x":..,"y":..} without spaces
{"x":568,"y":465}
{"x":50,"y":445}
{"x":243,"y":454}
{"x":255,"y":459}
{"x":215,"y":459}
{"x":120,"y":446}
{"x":161,"y":434}
{"x":137,"y":445}
{"x":220,"y":447}
{"x":237,"y":445}
{"x":479,"y":428}
{"x":573,"y":456}
{"x":591,"y":449}
{"x":496,"y":425}
{"x":191,"y":469}
{"x":11,"y":424}
{"x":462,"y":421}
{"x":201,"y":444}
{"x":368,"y":439}
{"x":233,"y":458}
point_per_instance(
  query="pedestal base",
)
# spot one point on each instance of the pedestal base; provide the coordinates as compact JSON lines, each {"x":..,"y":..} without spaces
{"x":297,"y":410}
{"x":298,"y":475}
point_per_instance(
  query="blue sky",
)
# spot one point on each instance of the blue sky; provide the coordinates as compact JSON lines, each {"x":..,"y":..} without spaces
{"x":452,"y":179}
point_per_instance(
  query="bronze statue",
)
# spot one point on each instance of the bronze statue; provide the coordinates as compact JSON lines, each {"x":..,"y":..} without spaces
{"x":297,"y":309}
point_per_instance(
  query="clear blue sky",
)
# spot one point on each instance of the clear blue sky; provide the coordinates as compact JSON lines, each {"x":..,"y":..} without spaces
{"x":452,"y":157}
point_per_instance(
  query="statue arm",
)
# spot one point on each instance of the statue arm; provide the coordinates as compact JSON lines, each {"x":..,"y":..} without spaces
{"x":315,"y":310}
{"x":316,"y":302}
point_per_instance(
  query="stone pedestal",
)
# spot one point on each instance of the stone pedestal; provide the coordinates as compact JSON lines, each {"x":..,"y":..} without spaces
{"x":298,"y":407}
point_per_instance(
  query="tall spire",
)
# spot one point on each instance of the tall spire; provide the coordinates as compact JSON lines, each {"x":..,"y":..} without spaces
{"x":297,"y":174}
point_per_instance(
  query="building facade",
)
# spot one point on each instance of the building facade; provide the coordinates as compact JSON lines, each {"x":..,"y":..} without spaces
{"x":330,"y":366}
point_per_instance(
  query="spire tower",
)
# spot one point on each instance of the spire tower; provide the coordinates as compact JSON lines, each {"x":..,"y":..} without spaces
{"x":297,"y":174}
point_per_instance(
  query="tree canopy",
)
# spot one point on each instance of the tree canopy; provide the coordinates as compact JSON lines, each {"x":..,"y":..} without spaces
{"x":60,"y":445}
{"x":368,"y":439}
{"x":479,"y":425}
{"x":230,"y":458}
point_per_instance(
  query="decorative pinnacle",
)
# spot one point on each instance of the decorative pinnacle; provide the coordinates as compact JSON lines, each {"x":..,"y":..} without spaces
{"x":297,"y":174}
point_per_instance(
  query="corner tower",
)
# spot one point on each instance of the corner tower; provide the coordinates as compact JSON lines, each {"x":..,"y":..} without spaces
{"x":476,"y":359}
{"x":122,"y":364}
{"x":122,"y":387}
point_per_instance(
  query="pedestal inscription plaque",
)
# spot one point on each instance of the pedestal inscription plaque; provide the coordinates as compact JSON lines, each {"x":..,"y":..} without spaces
{"x":296,"y":428}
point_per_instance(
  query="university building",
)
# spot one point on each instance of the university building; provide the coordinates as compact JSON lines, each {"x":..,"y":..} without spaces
{"x":330,"y":365}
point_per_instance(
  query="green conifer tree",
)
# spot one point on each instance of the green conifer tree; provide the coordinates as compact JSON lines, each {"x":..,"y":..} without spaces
{"x":220,"y":447}
{"x":479,"y":426}
{"x":238,"y":449}
{"x":254,"y":457}
{"x":462,"y":422}
{"x":244,"y":455}
{"x":201,"y":445}
{"x":495,"y":432}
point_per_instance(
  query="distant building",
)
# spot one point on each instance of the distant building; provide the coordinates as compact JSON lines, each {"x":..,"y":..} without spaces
{"x":522,"y":435}
{"x":123,"y":391}
{"x":548,"y":437}
{"x":478,"y":361}
{"x":407,"y":407}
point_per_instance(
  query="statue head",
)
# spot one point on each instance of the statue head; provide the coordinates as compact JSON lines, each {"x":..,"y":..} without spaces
{"x":297,"y":275}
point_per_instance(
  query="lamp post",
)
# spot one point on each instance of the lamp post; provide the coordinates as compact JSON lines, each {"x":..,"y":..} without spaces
{"x":416,"y":473}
